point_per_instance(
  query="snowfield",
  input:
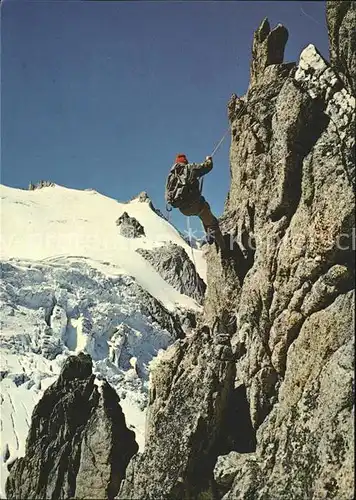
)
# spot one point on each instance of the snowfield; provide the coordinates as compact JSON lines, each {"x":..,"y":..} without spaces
{"x":69,"y":283}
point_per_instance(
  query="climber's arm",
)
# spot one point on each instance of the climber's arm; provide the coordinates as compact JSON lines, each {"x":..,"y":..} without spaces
{"x":200,"y":169}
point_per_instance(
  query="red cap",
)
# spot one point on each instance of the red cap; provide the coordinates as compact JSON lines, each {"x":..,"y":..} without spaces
{"x":181,"y":158}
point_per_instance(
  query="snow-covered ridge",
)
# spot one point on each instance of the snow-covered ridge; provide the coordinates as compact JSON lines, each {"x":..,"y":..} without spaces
{"x":58,"y":221}
{"x":71,"y":282}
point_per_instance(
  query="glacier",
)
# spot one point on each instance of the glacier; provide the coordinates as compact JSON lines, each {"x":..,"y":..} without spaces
{"x":70,"y":283}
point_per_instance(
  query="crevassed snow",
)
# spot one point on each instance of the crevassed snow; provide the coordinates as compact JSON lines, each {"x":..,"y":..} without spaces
{"x":52,"y":310}
{"x":68,"y":283}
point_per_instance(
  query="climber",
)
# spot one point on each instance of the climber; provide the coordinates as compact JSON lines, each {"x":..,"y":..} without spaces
{"x":183,"y":192}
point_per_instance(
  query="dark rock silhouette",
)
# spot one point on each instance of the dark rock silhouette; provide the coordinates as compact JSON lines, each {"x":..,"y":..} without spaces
{"x":40,"y":185}
{"x":129,"y":226}
{"x":174,"y":265}
{"x":78,"y":445}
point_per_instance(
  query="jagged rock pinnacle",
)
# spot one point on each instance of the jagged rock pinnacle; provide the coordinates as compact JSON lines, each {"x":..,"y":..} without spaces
{"x":283,"y":298}
{"x":143,"y":197}
{"x":267,"y":48}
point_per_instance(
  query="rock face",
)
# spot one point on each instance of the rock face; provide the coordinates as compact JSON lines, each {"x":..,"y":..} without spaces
{"x":129,"y":226}
{"x":199,"y":369}
{"x":282,"y":297}
{"x":174,"y":265}
{"x":305,"y":446}
{"x":267,"y":48}
{"x":341,"y":26}
{"x":171,"y":321}
{"x":78,"y":445}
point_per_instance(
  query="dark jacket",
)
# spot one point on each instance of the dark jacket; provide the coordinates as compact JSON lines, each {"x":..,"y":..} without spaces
{"x":197,"y":171}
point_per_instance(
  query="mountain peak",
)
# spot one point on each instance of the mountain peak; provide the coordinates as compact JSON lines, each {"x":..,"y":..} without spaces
{"x":40,"y":184}
{"x":143,"y":197}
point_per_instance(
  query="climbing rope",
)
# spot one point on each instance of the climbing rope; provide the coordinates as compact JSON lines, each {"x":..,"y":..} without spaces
{"x":219,"y":144}
{"x":217,"y":147}
{"x":215,"y":150}
{"x":189,"y":231}
{"x":197,"y":285}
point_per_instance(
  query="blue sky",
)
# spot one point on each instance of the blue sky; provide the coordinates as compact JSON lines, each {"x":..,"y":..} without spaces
{"x":104,"y":94}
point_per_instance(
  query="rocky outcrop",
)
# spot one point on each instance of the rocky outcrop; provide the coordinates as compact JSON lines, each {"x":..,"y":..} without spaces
{"x":267,"y":49}
{"x":322,"y":84}
{"x":341,"y":26}
{"x":290,"y":217}
{"x":184,"y":440}
{"x":174,"y":265}
{"x":282,"y":295}
{"x":173,"y":322}
{"x":129,"y":226}
{"x":290,"y":211}
{"x":305,"y":447}
{"x":78,"y":445}
{"x":40,"y":184}
{"x":143,"y":197}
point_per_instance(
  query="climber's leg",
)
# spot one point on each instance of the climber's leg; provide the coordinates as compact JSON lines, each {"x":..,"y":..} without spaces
{"x":211,"y":225}
{"x":201,"y":208}
{"x":192,"y":209}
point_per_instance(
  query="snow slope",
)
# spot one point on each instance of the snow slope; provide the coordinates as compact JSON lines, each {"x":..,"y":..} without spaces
{"x":71,"y":282}
{"x":57,"y":221}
